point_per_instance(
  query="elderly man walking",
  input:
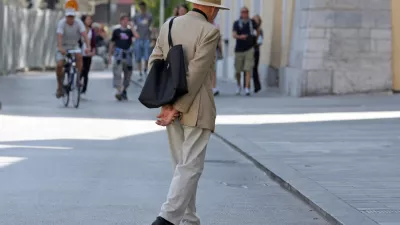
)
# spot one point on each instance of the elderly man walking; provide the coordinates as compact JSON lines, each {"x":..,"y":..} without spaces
{"x":189,"y":134}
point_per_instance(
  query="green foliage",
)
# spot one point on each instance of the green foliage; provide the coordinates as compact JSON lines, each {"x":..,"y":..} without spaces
{"x":154,"y":7}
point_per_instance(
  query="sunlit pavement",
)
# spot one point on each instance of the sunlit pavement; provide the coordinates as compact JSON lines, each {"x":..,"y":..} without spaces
{"x":108,"y":163}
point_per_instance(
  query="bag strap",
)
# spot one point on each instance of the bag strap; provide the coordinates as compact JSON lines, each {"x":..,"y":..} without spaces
{"x":171,"y":44}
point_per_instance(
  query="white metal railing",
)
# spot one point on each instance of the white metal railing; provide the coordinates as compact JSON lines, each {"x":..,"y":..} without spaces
{"x":27,"y":38}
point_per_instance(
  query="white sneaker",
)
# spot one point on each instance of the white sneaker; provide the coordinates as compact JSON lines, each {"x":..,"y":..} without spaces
{"x":238,"y":91}
{"x":247,"y":91}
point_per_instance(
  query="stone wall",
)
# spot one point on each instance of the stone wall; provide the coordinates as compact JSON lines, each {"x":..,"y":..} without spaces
{"x":27,"y":38}
{"x":339,"y":47}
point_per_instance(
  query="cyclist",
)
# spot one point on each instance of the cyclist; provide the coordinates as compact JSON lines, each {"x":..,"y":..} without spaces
{"x":69,"y":32}
{"x":120,"y":48}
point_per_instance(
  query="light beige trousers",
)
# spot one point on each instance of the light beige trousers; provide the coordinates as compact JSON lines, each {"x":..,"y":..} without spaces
{"x":188,"y":149}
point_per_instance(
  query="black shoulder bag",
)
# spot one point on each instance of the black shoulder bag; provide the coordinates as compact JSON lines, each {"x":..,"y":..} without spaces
{"x":166,"y":81}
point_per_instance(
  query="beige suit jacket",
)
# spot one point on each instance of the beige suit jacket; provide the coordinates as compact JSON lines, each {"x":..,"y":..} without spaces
{"x":199,"y":39}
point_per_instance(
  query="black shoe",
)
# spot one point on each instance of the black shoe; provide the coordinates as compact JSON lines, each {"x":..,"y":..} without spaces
{"x":124,"y":95}
{"x":161,"y":221}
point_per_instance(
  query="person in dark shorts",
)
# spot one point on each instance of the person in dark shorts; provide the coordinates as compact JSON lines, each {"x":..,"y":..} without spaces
{"x":245,"y":31}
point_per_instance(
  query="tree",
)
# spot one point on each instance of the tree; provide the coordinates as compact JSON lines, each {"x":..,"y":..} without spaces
{"x":154,"y":8}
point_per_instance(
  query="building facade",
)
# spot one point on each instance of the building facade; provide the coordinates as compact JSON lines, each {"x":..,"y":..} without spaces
{"x":319,"y":47}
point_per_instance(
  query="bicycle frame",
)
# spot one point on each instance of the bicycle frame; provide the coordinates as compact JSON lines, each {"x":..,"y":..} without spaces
{"x":70,"y":79}
{"x":70,"y":67}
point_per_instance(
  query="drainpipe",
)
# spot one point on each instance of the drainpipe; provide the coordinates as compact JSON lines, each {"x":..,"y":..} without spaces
{"x":227,"y":34}
{"x":109,"y":12}
{"x":162,"y":12}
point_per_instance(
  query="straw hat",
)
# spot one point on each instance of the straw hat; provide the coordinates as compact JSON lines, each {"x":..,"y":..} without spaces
{"x":214,"y":3}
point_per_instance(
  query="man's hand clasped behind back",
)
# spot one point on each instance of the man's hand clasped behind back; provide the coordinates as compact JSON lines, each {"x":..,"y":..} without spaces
{"x":167,"y":116}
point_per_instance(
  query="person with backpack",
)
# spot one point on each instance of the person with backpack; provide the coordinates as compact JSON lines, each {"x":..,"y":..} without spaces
{"x":245,"y":31}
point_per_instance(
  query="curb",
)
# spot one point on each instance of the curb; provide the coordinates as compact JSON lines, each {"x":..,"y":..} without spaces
{"x":280,"y":181}
{"x":331,"y":207}
{"x":328,"y":205}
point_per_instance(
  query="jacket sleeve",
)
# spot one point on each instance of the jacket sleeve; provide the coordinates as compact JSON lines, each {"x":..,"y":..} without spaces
{"x":199,"y":68}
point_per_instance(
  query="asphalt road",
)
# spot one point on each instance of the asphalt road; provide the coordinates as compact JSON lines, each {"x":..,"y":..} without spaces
{"x":108,"y":163}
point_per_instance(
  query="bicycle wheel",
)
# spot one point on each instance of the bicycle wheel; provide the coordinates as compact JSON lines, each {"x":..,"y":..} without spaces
{"x":66,"y":90}
{"x":75,"y":91}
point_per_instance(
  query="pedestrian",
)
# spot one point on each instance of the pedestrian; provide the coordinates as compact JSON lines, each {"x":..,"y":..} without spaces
{"x":120,"y":48}
{"x":183,"y":9}
{"x":175,"y":13}
{"x":245,"y":31}
{"x":256,"y":76}
{"x":189,"y":134}
{"x":87,"y":58}
{"x":143,"y":20}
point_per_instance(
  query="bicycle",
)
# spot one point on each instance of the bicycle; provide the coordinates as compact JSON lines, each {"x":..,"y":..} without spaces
{"x":70,"y":84}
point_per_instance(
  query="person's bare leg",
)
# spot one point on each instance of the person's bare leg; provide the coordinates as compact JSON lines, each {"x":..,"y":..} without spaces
{"x":248,"y":78}
{"x":79,"y":66}
{"x":238,"y":76}
{"x":247,"y":82}
{"x":139,"y":64}
{"x":60,"y":77}
{"x":238,"y":79}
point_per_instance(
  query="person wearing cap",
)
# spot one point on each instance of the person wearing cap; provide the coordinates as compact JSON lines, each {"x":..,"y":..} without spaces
{"x":69,"y":31}
{"x":189,"y":134}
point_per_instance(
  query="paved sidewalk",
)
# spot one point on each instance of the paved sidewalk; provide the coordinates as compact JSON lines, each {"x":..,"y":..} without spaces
{"x":340,"y":154}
